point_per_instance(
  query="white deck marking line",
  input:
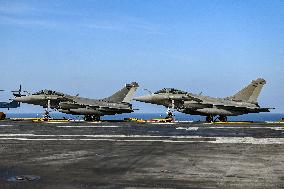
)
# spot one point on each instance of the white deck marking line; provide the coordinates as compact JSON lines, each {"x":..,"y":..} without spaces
{"x":232,"y":127}
{"x":188,"y":128}
{"x":122,"y":136}
{"x":98,"y":136}
{"x":248,"y":140}
{"x":219,"y":140}
{"x":7,"y":126}
{"x":274,"y":122}
{"x":183,"y":121}
{"x":86,"y":126}
{"x":238,"y":127}
{"x":17,"y":134}
{"x":62,"y":122}
{"x":162,"y":123}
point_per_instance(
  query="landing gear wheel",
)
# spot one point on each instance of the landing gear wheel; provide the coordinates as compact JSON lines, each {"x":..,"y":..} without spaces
{"x":91,"y":118}
{"x":223,"y":118}
{"x":46,"y":115}
{"x":96,"y":118}
{"x":209,"y":118}
{"x":169,"y":114}
{"x":87,"y":118}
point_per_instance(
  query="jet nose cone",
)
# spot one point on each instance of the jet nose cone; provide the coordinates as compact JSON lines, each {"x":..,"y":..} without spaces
{"x":17,"y":99}
{"x":146,"y":98}
{"x":20,"y":99}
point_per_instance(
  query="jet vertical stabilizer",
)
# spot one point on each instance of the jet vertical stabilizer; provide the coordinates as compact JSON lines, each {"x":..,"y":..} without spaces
{"x":125,"y":94}
{"x":250,"y":93}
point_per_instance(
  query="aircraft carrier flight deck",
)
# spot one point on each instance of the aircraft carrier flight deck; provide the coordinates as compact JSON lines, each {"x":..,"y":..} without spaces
{"x":141,"y":155}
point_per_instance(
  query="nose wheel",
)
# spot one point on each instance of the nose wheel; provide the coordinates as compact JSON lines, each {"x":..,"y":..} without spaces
{"x":46,"y":114}
{"x":209,"y":118}
{"x":170,"y":114}
{"x":92,"y":118}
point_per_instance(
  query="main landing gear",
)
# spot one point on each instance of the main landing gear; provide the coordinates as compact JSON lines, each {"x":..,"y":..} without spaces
{"x":210,"y":118}
{"x":223,"y":118}
{"x":92,"y":118}
{"x":46,"y":114}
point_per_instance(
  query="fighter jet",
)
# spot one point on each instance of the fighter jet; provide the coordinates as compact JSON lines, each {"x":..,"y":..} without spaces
{"x":243,"y":102}
{"x":12,"y":104}
{"x":92,"y":109}
{"x":8,"y":105}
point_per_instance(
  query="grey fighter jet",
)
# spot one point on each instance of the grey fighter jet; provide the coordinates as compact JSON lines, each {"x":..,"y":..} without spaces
{"x":8,"y":105}
{"x":243,"y":102}
{"x":12,"y":104}
{"x":92,"y":109}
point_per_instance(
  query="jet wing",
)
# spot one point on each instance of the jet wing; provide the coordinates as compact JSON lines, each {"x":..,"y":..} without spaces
{"x":262,"y":109}
{"x":230,"y":107}
{"x":105,"y":108}
{"x":242,"y":108}
{"x":109,"y":109}
{"x":68,"y":105}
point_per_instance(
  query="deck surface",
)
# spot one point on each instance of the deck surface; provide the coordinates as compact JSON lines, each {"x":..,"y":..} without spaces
{"x":141,"y":155}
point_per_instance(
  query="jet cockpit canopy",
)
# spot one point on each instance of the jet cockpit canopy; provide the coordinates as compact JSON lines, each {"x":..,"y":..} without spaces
{"x":170,"y":90}
{"x":48,"y":92}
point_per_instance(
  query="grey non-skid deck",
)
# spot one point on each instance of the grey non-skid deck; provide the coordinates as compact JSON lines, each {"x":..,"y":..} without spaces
{"x":138,"y":155}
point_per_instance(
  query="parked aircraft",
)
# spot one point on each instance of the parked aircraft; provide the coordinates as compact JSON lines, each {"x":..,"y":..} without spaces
{"x":92,"y":109}
{"x":12,"y":104}
{"x":243,"y":102}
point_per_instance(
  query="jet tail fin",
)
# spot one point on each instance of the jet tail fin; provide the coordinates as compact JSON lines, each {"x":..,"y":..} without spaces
{"x":125,"y":94}
{"x":250,"y":93}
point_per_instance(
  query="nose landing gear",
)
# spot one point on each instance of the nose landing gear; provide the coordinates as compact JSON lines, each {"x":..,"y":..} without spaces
{"x":210,"y":118}
{"x":92,"y":118}
{"x":46,"y":115}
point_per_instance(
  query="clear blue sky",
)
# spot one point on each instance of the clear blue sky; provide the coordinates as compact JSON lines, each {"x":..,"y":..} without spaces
{"x":94,"y":47}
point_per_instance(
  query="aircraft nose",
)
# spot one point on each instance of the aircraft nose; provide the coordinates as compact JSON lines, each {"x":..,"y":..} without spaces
{"x":20,"y":99}
{"x":146,"y":98}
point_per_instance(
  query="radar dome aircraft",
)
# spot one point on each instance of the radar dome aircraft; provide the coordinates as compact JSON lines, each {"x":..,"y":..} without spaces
{"x":92,"y":109}
{"x":243,"y":102}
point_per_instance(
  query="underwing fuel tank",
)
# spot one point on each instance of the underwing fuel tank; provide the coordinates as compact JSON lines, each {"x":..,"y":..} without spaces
{"x":85,"y":111}
{"x":215,"y":111}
